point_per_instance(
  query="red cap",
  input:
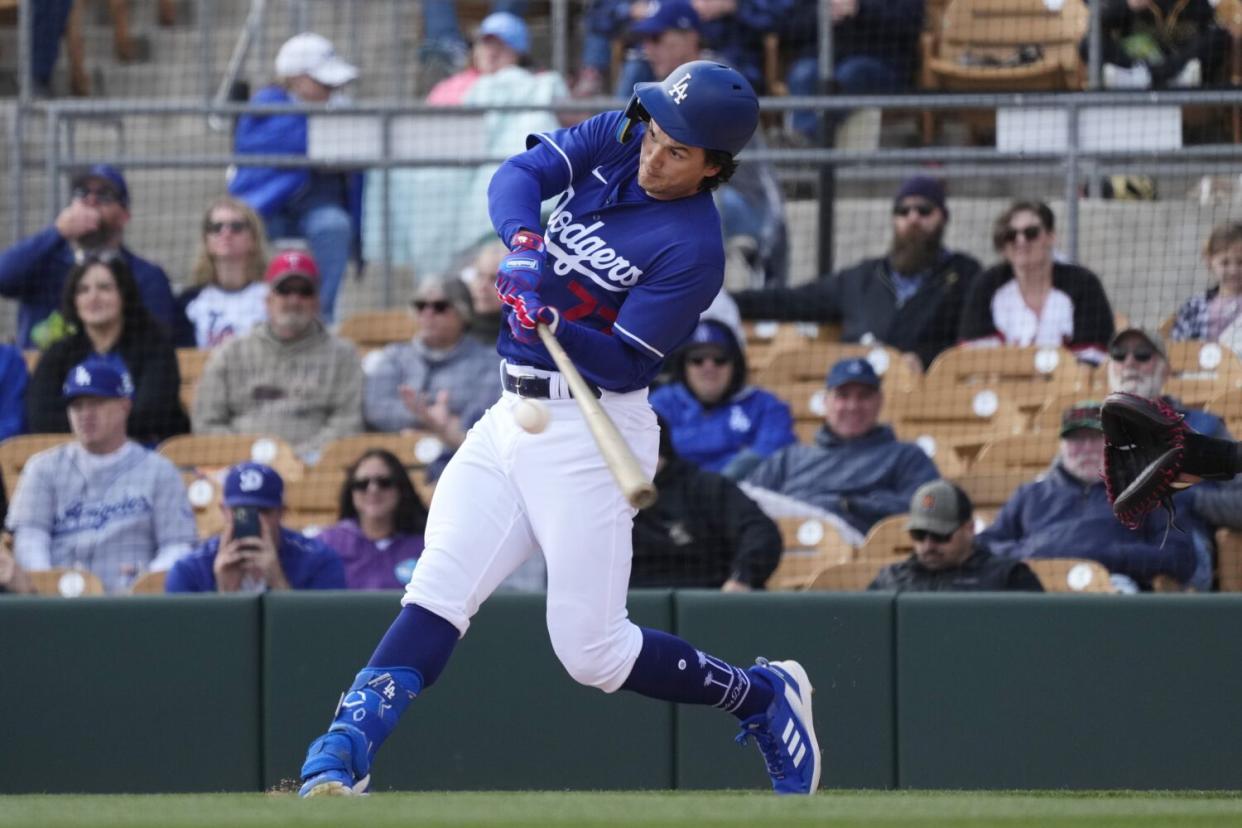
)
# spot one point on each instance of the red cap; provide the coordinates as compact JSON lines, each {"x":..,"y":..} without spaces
{"x":292,"y":263}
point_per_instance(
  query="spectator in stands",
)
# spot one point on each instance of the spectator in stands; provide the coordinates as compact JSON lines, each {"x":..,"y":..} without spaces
{"x":856,"y":469}
{"x":318,"y":204}
{"x":13,"y":380}
{"x":1139,"y":364}
{"x":13,"y":579}
{"x":910,"y":299}
{"x":717,"y":421}
{"x":435,"y":214}
{"x":1066,"y":514}
{"x":48,"y":21}
{"x":101,"y":502}
{"x":874,"y":48}
{"x":33,"y":270}
{"x":228,"y":296}
{"x":751,"y":206}
{"x":702,"y":532}
{"x":1160,"y":43}
{"x":1214,"y":315}
{"x":441,"y":380}
{"x":103,"y":309}
{"x":255,"y":553}
{"x":444,"y":51}
{"x":379,"y":536}
{"x":288,"y":376}
{"x":1033,"y":299}
{"x":947,"y":555}
{"x":479,"y":274}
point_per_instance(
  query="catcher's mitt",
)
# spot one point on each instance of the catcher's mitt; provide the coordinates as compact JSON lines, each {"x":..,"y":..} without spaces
{"x":1150,"y":453}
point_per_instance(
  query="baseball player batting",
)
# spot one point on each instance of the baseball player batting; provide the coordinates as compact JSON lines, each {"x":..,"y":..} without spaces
{"x":631,"y":256}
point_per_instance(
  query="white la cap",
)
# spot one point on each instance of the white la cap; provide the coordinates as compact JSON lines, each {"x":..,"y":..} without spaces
{"x":313,"y":54}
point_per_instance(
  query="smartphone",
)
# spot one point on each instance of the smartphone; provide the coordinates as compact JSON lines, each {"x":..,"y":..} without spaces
{"x":245,"y":522}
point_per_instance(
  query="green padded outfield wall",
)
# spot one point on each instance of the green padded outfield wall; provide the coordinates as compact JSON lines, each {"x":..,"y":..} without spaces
{"x":845,"y":641}
{"x":504,"y":715}
{"x":134,"y":695}
{"x":1021,"y":691}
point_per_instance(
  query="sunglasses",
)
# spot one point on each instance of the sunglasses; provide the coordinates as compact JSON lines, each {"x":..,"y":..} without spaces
{"x":215,"y":228}
{"x":435,"y":305}
{"x":924,"y":210}
{"x":1029,"y":233}
{"x":361,"y":484}
{"x":1139,"y":354}
{"x":296,"y":289}
{"x":919,"y":535}
{"x":714,"y":360}
{"x":100,"y":196}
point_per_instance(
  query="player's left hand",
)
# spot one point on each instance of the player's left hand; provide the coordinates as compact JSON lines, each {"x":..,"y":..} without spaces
{"x":528,"y":310}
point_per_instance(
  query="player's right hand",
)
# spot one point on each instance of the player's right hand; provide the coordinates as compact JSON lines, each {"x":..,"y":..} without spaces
{"x":76,"y":220}
{"x":520,"y":270}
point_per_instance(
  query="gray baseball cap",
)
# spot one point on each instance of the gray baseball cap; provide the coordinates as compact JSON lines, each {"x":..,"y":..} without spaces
{"x":940,"y":507}
{"x":1154,"y":339}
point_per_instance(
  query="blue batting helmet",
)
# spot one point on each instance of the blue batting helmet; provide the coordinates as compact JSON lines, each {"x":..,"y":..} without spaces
{"x":700,"y":104}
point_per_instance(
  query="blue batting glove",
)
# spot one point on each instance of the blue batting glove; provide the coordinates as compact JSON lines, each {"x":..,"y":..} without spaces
{"x":527,"y":311}
{"x":520,"y":270}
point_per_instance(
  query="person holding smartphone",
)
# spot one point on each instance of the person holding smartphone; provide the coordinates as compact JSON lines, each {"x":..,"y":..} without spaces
{"x":255,"y":553}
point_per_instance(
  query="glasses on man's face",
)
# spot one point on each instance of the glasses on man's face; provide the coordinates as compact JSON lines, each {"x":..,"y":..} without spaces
{"x":1029,"y":233}
{"x":361,"y":484}
{"x":703,"y":359}
{"x":920,"y":535}
{"x":100,"y":195}
{"x":433,"y":305}
{"x":903,"y":210}
{"x":215,"y":228}
{"x":1139,"y":354}
{"x":294,"y":289}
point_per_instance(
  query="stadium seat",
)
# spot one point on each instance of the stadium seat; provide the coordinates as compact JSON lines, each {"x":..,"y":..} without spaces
{"x":809,"y":360}
{"x":1048,"y":419}
{"x":852,"y":576}
{"x":887,"y":541}
{"x":1199,"y":371}
{"x":952,"y":423}
{"x":375,"y":329}
{"x":809,"y":546}
{"x":313,"y":501}
{"x":1030,"y":453}
{"x":203,"y":492}
{"x":65,"y":582}
{"x":1071,"y":575}
{"x":208,"y":453}
{"x":15,"y":451}
{"x":1229,"y":560}
{"x":1228,"y":406}
{"x":150,"y":583}
{"x":1028,"y":376}
{"x":414,"y":449}
{"x":190,"y":364}
{"x":990,"y":489}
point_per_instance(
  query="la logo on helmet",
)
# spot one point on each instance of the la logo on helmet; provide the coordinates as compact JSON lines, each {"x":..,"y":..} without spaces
{"x":679,"y":90}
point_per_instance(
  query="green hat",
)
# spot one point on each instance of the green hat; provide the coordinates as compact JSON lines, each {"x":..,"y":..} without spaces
{"x":1082,"y":414}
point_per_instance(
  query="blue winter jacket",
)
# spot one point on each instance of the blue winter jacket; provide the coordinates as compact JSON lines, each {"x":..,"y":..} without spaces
{"x":1058,"y":516}
{"x":33,"y":271}
{"x":862,"y":480}
{"x":13,"y":381}
{"x":725,"y":438}
{"x":308,"y":564}
{"x":269,"y":189}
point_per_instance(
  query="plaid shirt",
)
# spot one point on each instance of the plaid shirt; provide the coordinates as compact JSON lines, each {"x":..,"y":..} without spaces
{"x":1191,"y":321}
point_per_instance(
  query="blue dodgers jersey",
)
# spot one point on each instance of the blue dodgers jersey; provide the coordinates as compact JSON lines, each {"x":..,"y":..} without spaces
{"x":618,"y":261}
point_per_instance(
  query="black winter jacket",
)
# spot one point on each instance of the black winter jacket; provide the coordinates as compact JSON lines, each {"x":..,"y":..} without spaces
{"x":862,"y":298}
{"x":981,"y":572}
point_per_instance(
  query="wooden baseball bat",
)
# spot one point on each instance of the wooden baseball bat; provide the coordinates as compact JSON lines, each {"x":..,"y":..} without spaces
{"x":638,"y":490}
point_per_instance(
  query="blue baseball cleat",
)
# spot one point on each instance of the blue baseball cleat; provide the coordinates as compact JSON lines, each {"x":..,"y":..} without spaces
{"x":331,"y":764}
{"x":785,"y":732}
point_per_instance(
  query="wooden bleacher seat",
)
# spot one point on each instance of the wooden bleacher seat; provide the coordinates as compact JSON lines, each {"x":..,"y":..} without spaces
{"x":15,"y":451}
{"x":1029,"y":376}
{"x":190,"y":364}
{"x":209,"y":453}
{"x":852,"y":576}
{"x":1071,"y":575}
{"x":809,"y":546}
{"x":809,"y":360}
{"x":1030,"y":453}
{"x":888,"y":540}
{"x":375,"y":329}
{"x":989,"y":489}
{"x":952,"y":423}
{"x":414,"y":449}
{"x":149,"y":583}
{"x":65,"y":582}
{"x":1199,"y":371}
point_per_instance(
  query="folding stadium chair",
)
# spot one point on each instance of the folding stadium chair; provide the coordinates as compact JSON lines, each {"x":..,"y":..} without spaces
{"x":852,"y":576}
{"x":204,"y":493}
{"x":375,"y":329}
{"x":15,"y":451}
{"x":313,"y":501}
{"x":190,"y":364}
{"x":1228,"y":406}
{"x":209,"y":453}
{"x":989,"y":489}
{"x":1071,"y":575}
{"x":414,"y":449}
{"x":1199,"y":371}
{"x":150,"y":583}
{"x":810,"y":360}
{"x":952,"y":423}
{"x":1028,"y":376}
{"x":1030,"y":453}
{"x":65,"y":582}
{"x":1048,"y":419}
{"x":809,"y":545}
{"x":887,"y":541}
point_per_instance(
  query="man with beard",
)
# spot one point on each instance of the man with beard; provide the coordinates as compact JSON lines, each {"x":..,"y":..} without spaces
{"x":910,"y":299}
{"x":288,"y":376}
{"x":33,"y":270}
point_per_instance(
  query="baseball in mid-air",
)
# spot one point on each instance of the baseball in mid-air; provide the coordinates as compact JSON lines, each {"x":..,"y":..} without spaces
{"x":531,"y":415}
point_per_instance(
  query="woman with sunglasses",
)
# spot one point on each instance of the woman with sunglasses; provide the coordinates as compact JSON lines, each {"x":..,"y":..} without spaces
{"x":228,"y":294}
{"x":380,"y":533}
{"x":1033,"y":299}
{"x":102,"y":305}
{"x":718,"y":422}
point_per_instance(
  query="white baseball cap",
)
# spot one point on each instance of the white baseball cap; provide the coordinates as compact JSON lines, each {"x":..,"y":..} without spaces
{"x":313,"y":54}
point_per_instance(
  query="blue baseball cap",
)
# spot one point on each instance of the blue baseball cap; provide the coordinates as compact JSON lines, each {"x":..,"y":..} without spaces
{"x":106,"y":173}
{"x":254,"y":484}
{"x":508,"y":29}
{"x":711,"y":332}
{"x":856,"y":370}
{"x":665,"y":15}
{"x":95,"y":377}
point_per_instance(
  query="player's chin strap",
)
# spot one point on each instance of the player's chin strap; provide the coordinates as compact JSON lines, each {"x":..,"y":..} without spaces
{"x":634,"y":113}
